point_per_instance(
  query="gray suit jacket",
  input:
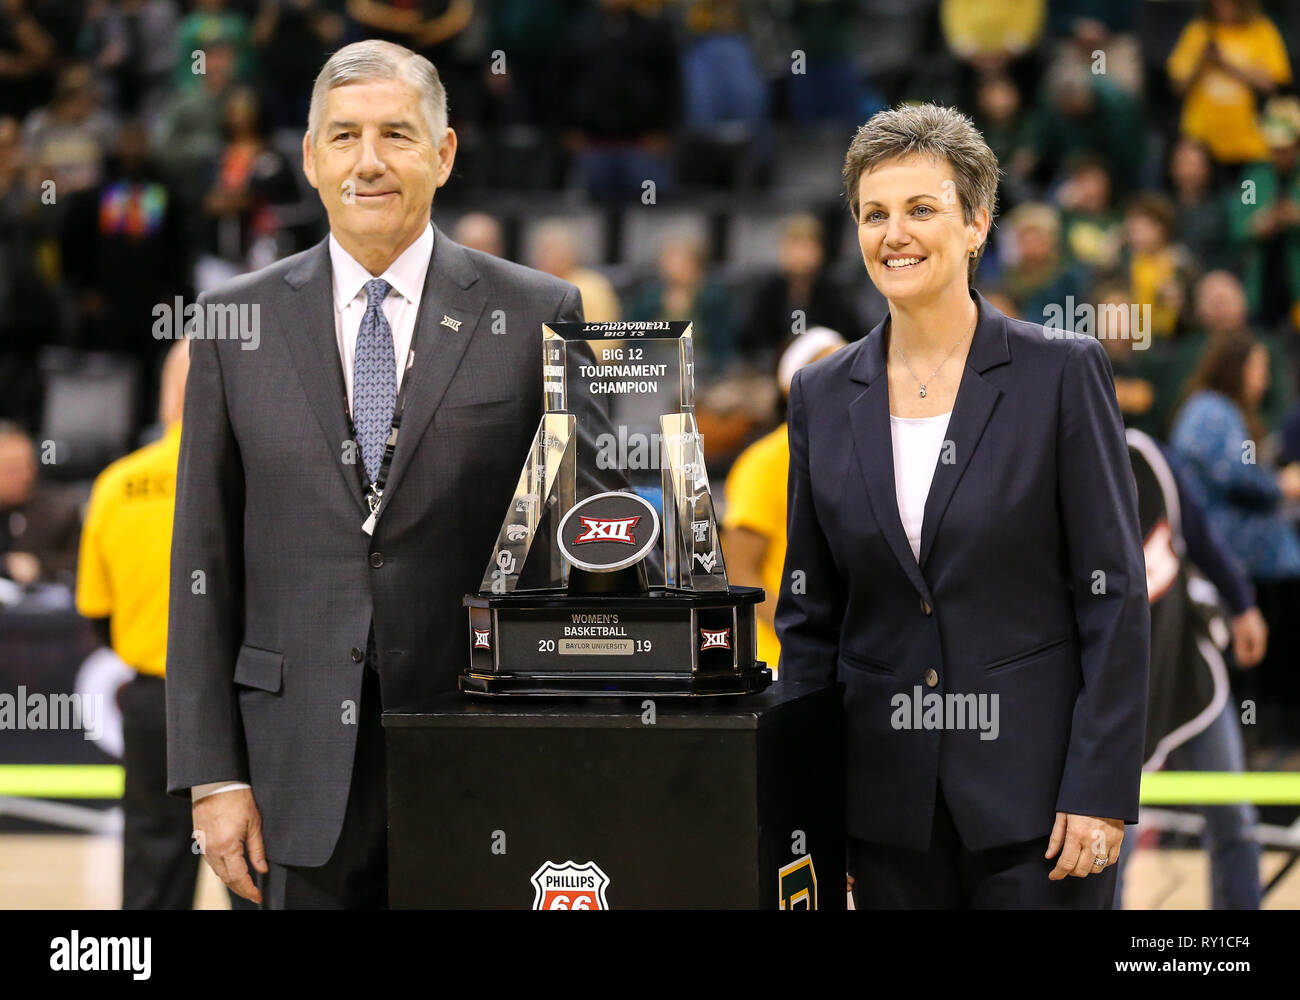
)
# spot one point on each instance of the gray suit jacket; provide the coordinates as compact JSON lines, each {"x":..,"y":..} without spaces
{"x":274,"y":585}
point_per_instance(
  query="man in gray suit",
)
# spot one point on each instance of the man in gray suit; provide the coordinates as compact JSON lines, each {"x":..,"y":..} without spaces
{"x":314,"y":580}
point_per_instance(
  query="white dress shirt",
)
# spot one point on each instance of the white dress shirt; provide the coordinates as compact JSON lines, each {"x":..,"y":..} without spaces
{"x":917,"y":443}
{"x":406,"y":276}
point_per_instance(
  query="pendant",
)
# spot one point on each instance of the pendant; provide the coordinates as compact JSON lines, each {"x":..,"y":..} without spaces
{"x":922,"y":390}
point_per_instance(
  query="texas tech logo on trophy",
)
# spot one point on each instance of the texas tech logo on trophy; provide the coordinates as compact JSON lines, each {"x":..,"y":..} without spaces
{"x":608,"y":577}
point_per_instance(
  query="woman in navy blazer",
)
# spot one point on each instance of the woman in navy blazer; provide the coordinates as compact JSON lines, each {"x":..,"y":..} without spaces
{"x":992,"y":632}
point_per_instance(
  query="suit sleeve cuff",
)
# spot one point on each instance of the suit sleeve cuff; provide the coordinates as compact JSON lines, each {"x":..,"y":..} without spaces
{"x":213,"y":787}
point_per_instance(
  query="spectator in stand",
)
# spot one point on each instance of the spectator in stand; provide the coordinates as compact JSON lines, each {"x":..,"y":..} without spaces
{"x":830,"y":89}
{"x":29,"y":313}
{"x":723,"y":88}
{"x":1000,"y":118}
{"x":1219,"y":439}
{"x":291,"y":38}
{"x":556,"y":252}
{"x":251,"y":179}
{"x":1201,"y":219}
{"x":69,"y":139}
{"x":1148,"y":376}
{"x":28,"y":55}
{"x":534,"y":36}
{"x":134,"y":48}
{"x":209,"y":24}
{"x":625,"y":100}
{"x":1084,"y":113}
{"x":801,"y":294}
{"x":753,"y":528}
{"x":435,"y":29}
{"x":125,"y":249}
{"x":1225,"y":61}
{"x":188,"y":142}
{"x":480,"y":231}
{"x":1037,"y":275}
{"x":1093,"y":227}
{"x":1099,"y":33}
{"x":1265,"y":220}
{"x":1220,"y":311}
{"x":39,"y":527}
{"x":1160,"y":272}
{"x":993,"y":37}
{"x":684,"y":291}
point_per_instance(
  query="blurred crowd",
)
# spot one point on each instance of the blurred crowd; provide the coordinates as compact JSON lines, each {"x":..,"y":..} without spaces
{"x":674,"y":159}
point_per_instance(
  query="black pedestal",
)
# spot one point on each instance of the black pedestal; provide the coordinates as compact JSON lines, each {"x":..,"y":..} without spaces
{"x":734,"y":802}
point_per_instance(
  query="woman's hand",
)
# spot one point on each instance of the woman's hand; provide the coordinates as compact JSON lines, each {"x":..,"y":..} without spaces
{"x":1080,"y":840}
{"x":1288,"y":480}
{"x":1249,"y":638}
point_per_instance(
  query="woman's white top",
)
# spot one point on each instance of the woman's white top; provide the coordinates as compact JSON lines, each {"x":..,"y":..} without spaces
{"x":917,"y":444}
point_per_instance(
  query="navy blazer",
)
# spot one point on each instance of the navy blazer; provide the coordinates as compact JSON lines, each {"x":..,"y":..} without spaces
{"x":1030,"y":587}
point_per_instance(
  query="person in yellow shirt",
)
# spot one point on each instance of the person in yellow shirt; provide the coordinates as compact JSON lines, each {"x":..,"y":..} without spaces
{"x":1160,"y":271}
{"x":122,"y":582}
{"x":556,"y":251}
{"x":1223,"y":62}
{"x":753,"y":524}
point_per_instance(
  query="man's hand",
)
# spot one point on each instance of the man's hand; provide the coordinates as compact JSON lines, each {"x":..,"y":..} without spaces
{"x":1249,"y":638}
{"x":224,"y":823}
{"x":1080,"y":840}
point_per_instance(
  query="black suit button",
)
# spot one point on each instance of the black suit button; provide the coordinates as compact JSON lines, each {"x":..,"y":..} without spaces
{"x":931,"y":678}
{"x":357,"y":655}
{"x":376,"y":559}
{"x":925,"y":607}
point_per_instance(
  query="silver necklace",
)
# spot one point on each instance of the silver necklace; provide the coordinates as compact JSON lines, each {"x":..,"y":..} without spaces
{"x":940,"y":364}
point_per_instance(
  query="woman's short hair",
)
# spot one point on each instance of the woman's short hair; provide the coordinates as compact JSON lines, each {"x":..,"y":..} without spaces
{"x":943,"y":134}
{"x":362,"y":62}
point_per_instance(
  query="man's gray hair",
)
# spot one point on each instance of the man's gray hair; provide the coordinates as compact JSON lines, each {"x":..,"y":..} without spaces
{"x":942,"y":134}
{"x":362,"y":62}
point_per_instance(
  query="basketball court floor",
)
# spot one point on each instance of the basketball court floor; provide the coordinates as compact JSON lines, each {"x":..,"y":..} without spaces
{"x":83,"y":871}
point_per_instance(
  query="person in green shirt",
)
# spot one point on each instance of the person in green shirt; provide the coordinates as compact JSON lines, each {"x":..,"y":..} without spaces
{"x":1221,"y":308}
{"x":1265,"y":219}
{"x":209,"y":24}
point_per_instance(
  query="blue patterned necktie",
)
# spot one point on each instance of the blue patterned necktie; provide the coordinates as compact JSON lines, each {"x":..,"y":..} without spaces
{"x":374,"y":379}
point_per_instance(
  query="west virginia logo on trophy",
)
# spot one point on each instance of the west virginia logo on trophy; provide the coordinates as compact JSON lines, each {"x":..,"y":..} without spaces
{"x":607,"y":569}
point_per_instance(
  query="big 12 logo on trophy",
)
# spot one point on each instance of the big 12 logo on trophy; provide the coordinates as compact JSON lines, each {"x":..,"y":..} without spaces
{"x":570,"y":886}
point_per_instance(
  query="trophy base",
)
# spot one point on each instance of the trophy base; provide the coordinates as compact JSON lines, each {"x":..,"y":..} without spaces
{"x":661,"y":644}
{"x":684,"y":686}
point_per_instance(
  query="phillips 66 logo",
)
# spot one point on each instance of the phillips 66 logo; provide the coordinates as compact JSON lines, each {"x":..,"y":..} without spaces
{"x":570,"y":886}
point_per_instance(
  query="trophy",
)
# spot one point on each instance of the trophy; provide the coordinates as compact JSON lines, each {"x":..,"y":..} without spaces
{"x":607,"y":578}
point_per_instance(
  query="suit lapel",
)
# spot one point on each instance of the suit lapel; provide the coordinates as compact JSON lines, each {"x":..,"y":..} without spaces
{"x":971,"y":411}
{"x":313,"y":345}
{"x":452,"y":289}
{"x":873,"y":441}
{"x":869,"y":419}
